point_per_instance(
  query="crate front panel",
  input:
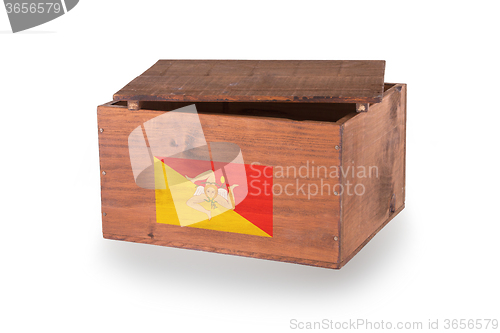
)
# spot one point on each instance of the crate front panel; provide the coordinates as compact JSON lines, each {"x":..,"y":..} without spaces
{"x":304,"y":221}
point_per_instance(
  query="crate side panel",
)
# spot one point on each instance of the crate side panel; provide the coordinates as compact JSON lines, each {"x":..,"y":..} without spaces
{"x":373,"y":161}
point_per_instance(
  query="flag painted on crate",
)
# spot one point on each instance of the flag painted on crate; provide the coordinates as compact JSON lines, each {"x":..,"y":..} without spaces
{"x":204,"y":199}
{"x":200,"y":184}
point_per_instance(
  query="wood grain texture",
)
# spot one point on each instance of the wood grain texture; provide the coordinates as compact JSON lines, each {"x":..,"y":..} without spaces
{"x":259,"y":255}
{"x":307,"y":81}
{"x":304,"y":229}
{"x":376,"y":138}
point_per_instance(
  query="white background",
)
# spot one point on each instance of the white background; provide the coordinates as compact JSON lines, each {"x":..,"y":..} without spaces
{"x":438,"y":259}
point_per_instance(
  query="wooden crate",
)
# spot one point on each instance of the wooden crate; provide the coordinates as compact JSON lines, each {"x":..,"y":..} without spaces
{"x":317,"y":149}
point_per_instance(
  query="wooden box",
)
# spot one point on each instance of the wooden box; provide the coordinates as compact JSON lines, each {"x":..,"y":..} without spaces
{"x":295,"y":161}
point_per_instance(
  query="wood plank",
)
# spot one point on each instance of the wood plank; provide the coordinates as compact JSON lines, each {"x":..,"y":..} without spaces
{"x":154,"y":241}
{"x":304,"y":229}
{"x":321,"y":81}
{"x":373,"y":139}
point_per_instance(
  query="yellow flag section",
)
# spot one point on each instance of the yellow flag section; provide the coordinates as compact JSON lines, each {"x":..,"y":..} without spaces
{"x":171,"y":207}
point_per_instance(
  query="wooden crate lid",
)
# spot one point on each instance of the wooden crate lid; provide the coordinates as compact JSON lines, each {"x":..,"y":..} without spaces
{"x":324,"y":81}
